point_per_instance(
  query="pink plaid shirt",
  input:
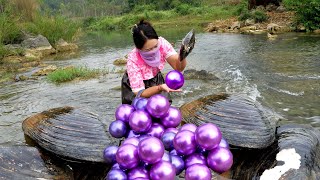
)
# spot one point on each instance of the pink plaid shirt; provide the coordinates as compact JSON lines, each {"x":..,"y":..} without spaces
{"x":138,"y":70}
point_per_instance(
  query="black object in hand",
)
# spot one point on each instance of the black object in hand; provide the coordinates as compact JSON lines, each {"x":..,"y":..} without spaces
{"x":187,"y":45}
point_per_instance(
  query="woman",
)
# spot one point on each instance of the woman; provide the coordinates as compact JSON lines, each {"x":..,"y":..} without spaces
{"x":145,"y":61}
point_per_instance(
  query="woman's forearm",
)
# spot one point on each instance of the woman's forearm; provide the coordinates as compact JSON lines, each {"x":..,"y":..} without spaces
{"x":151,"y":91}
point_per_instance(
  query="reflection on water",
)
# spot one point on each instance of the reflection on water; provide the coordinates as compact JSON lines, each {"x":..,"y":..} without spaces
{"x":283,"y":74}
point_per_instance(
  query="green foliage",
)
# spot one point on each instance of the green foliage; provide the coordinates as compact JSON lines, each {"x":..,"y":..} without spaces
{"x":256,"y":15}
{"x":183,"y":9}
{"x":9,"y":30}
{"x":307,"y":12}
{"x":69,"y":74}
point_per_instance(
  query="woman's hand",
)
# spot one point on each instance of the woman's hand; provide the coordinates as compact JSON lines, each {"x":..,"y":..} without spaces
{"x":164,"y":87}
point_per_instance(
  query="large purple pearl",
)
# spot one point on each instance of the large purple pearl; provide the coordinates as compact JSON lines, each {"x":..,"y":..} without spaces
{"x":116,"y":174}
{"x":118,"y":129}
{"x":224,"y":143}
{"x":195,"y":159}
{"x":140,"y":121}
{"x":156,"y":130}
{"x":162,"y":170}
{"x":167,"y":140}
{"x":184,"y":142}
{"x":172,"y":118}
{"x":189,"y":126}
{"x":197,"y":172}
{"x":166,"y":157}
{"x":131,"y":133}
{"x":138,"y":172}
{"x":132,"y":140}
{"x":123,"y":112}
{"x":208,"y":136}
{"x":109,"y":154}
{"x":127,"y":156}
{"x":158,"y":105}
{"x":220,"y":159}
{"x":174,"y":79}
{"x":174,"y":130}
{"x":150,"y":150}
{"x":178,"y":164}
{"x":141,"y":104}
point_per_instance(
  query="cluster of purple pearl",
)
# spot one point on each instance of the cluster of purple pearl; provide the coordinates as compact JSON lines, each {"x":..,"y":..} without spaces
{"x":155,"y":149}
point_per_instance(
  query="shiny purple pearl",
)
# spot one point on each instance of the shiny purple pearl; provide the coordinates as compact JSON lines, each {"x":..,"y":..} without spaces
{"x":197,"y":172}
{"x":224,"y":143}
{"x":140,"y":121}
{"x":156,"y":130}
{"x":132,"y":140}
{"x":195,"y":159}
{"x":167,"y":140}
{"x":220,"y":159}
{"x":162,"y":170}
{"x":151,"y":150}
{"x":173,"y":152}
{"x":174,"y":79}
{"x":134,"y":102}
{"x":109,"y":154}
{"x":118,"y":129}
{"x":178,"y":164}
{"x":141,"y":104}
{"x":184,"y":142}
{"x":127,"y":156}
{"x":123,"y":112}
{"x":116,"y":166}
{"x":157,"y":105}
{"x":174,"y":130}
{"x":166,"y":157}
{"x":138,"y":172}
{"x":131,"y":133}
{"x":142,"y":137}
{"x":172,"y":118}
{"x":208,"y":136}
{"x":189,"y":126}
{"x":116,"y":174}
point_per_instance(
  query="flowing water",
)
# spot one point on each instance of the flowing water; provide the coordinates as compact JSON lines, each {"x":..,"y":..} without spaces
{"x":282,"y":74}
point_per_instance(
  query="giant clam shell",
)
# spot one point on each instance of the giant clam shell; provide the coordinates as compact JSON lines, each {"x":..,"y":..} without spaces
{"x":70,"y":133}
{"x":187,"y":44}
{"x":241,"y":120}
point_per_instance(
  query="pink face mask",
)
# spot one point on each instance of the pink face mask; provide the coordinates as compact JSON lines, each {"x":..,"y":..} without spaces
{"x":152,"y":58}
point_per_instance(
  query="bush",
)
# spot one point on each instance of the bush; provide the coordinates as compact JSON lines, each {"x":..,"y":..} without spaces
{"x":9,"y":30}
{"x":183,"y":9}
{"x":256,"y":15}
{"x":69,"y":74}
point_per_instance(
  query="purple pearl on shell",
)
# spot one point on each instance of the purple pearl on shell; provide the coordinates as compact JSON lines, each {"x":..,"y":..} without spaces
{"x":123,"y":112}
{"x":174,"y":79}
{"x":156,"y":130}
{"x":151,"y":150}
{"x":138,"y":172}
{"x":197,"y":172}
{"x":178,"y":164}
{"x":174,"y":130}
{"x":109,"y":154}
{"x":131,"y":133}
{"x":141,"y":104}
{"x":162,"y":170}
{"x":195,"y":159}
{"x":127,"y":156}
{"x":118,"y":129}
{"x":208,"y":136}
{"x":140,"y":121}
{"x":189,"y":126}
{"x":224,"y":143}
{"x":116,"y":174}
{"x":220,"y":159}
{"x":157,"y":105}
{"x":184,"y":142}
{"x":134,"y":102}
{"x":166,"y":157}
{"x":172,"y":118}
{"x":132,"y":140}
{"x":167,"y":140}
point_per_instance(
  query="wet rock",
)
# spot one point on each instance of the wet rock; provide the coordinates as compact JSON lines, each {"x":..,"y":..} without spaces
{"x":281,"y":9}
{"x":70,"y":133}
{"x":317,"y":31}
{"x":37,"y":47}
{"x":235,"y":25}
{"x":241,"y":120}
{"x":12,"y":59}
{"x":21,"y":78}
{"x":249,"y":22}
{"x":45,"y":71}
{"x":202,"y":74}
{"x":63,"y":46}
{"x":120,"y":61}
{"x":247,"y":28}
{"x":212,"y":28}
{"x":273,"y":28}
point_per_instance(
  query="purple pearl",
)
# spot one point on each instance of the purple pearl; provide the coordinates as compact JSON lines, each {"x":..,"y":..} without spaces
{"x":151,"y":150}
{"x":162,"y":170}
{"x":220,"y":159}
{"x":184,"y":142}
{"x":188,"y":126}
{"x":156,"y":130}
{"x":195,"y":159}
{"x":143,"y":136}
{"x":109,"y":154}
{"x":127,"y":156}
{"x":118,"y":129}
{"x":174,"y":79}
{"x":172,"y":118}
{"x":197,"y":172}
{"x":140,"y":121}
{"x":141,"y":104}
{"x":138,"y":172}
{"x":157,"y":105}
{"x":167,"y":140}
{"x":116,"y":166}
{"x":178,"y":164}
{"x":132,"y":140}
{"x":131,"y":133}
{"x":166,"y":157}
{"x":116,"y":174}
{"x":174,"y":130}
{"x":208,"y":136}
{"x":134,"y":102}
{"x":224,"y":143}
{"x":123,"y":112}
{"x":174,"y":152}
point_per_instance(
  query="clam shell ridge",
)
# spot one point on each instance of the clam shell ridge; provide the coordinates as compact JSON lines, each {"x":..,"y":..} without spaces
{"x":70,"y":133}
{"x":242,"y":121}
